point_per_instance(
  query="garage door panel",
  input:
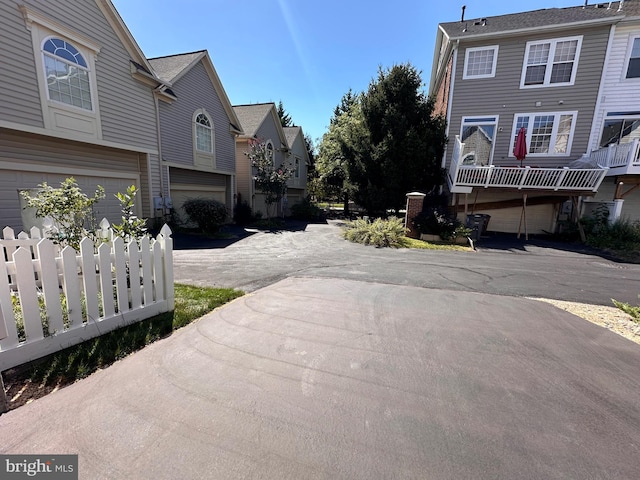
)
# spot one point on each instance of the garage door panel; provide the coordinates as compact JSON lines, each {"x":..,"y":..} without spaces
{"x":180,"y":195}
{"x":12,"y":213}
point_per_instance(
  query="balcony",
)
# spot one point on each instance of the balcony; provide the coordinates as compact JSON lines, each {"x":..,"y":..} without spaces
{"x":462,"y":178}
{"x":622,"y":159}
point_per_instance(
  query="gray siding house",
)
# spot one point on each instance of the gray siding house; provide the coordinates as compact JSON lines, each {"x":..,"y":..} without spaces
{"x":198,"y":131}
{"x":80,"y":100}
{"x":541,"y":71}
{"x":260,"y":122}
{"x":299,"y":160}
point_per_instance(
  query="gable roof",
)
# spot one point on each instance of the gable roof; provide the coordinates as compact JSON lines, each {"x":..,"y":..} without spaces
{"x":172,"y":68}
{"x":252,"y":117}
{"x":292,"y":133}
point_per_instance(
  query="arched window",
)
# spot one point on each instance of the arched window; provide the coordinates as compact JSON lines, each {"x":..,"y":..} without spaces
{"x":204,"y":133}
{"x":66,"y":73}
{"x":269,"y":147}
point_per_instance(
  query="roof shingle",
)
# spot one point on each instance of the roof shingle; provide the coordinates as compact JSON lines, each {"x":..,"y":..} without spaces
{"x":539,"y":19}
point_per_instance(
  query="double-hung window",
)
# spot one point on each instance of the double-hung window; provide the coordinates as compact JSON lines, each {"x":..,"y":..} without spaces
{"x":548,"y":134}
{"x":478,"y":135}
{"x":551,"y":62}
{"x":633,"y":65}
{"x":480,"y":62}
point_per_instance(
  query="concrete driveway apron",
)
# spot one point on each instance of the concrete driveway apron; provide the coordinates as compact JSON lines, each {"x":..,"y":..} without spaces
{"x":332,"y":378}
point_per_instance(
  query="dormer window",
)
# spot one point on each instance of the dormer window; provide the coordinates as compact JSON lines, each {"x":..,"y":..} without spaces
{"x":67,"y":74}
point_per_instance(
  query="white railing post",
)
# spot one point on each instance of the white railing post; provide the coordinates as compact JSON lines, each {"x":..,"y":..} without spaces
{"x":599,"y":180}
{"x":524,"y":177}
{"x":634,"y":153}
{"x":561,"y":178}
{"x":455,"y":161}
{"x":167,"y":252}
{"x":490,"y":170}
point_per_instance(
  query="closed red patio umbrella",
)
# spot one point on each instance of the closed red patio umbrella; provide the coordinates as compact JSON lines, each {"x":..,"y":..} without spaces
{"x":520,"y":150}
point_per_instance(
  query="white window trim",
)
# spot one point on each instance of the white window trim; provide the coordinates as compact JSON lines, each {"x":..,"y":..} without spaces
{"x":77,"y":122}
{"x":477,"y":49}
{"x":273,"y":150}
{"x":547,"y":76}
{"x":554,"y":133}
{"x":471,"y":124}
{"x":201,"y":159}
{"x":296,"y":172}
{"x":625,"y":68}
{"x":620,"y":116}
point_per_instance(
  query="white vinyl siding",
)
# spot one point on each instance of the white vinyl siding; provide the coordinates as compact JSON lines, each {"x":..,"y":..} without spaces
{"x":551,"y":62}
{"x":548,"y":134}
{"x":480,"y":62}
{"x":617,"y":93}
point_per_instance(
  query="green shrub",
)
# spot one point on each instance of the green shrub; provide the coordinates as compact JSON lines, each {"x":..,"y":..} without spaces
{"x":242,"y":213}
{"x":630,"y":309}
{"x":380,"y":232}
{"x":619,"y":236}
{"x":131,"y":227}
{"x":208,"y":214}
{"x":306,"y":210}
{"x":434,"y":221}
{"x":68,"y":207}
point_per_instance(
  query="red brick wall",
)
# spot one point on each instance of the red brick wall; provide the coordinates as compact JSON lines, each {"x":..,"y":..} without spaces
{"x":414,"y":207}
{"x":442,"y":94}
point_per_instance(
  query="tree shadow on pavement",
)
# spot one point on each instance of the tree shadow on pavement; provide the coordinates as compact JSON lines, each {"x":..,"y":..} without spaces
{"x":510,"y":242}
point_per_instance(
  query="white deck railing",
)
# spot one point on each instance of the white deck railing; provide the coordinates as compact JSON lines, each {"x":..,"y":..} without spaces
{"x":625,"y":157}
{"x":52,"y":298}
{"x":521,"y":177}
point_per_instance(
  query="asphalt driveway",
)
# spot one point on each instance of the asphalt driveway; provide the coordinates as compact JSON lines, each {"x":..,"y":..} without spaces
{"x":359,"y":363}
{"x":502,"y":265}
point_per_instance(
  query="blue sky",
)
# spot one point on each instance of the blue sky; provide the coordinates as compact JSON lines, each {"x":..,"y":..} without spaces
{"x":307,"y":53}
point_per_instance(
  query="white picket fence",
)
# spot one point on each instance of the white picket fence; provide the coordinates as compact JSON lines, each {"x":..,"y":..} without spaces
{"x":66,"y":297}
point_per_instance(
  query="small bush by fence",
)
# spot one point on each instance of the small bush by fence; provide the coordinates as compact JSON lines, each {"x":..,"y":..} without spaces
{"x":52,"y":298}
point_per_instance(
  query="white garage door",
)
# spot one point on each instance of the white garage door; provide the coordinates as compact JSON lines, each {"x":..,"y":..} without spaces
{"x":108,"y":207}
{"x":181,"y":193}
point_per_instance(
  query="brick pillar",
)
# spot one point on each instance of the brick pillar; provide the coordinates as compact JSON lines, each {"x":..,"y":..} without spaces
{"x":414,"y":207}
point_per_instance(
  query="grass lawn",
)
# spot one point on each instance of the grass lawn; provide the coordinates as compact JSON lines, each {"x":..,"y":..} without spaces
{"x":38,"y":378}
{"x":406,"y":242}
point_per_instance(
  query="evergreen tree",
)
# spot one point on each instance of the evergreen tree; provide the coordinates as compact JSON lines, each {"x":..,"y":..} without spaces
{"x":285,"y":118}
